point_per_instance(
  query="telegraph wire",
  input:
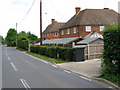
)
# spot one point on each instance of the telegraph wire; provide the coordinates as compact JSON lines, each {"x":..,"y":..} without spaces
{"x":28,"y":11}
{"x":57,"y":12}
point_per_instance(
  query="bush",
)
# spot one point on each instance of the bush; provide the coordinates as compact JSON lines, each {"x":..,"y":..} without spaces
{"x":54,"y":52}
{"x":111,"y":56}
{"x":23,"y":44}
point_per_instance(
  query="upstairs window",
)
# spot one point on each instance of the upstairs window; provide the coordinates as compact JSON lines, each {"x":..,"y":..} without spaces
{"x":102,"y":28}
{"x":75,"y":30}
{"x":68,"y":31}
{"x":88,"y":28}
{"x":55,"y":34}
{"x":62,"y":32}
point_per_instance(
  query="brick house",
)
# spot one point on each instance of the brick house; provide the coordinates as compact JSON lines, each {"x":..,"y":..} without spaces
{"x":52,"y":30}
{"x":87,"y":21}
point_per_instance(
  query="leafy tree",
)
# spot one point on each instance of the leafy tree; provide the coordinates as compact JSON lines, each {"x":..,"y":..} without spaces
{"x":0,"y":39}
{"x":11,"y":37}
{"x":32,"y":37}
{"x":22,"y":35}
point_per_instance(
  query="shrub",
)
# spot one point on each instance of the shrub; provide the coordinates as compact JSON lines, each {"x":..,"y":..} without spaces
{"x":111,"y":56}
{"x":23,"y":44}
{"x":112,"y":49}
{"x":54,"y":52}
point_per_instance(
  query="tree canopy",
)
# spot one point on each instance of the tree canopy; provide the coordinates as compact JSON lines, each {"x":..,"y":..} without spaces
{"x":11,"y":37}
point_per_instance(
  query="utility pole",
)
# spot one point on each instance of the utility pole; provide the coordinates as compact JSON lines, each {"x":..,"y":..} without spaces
{"x":41,"y":22}
{"x":16,"y":34}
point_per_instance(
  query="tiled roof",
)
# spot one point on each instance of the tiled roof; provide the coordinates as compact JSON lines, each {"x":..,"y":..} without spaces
{"x":60,"y":41}
{"x":54,"y":27}
{"x":93,"y":17}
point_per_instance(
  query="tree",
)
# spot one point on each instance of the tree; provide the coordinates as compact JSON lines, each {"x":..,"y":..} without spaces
{"x":0,"y":39}
{"x":32,"y":37}
{"x":22,"y":35}
{"x":11,"y":37}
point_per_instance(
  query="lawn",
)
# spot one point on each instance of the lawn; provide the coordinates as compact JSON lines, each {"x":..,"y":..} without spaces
{"x":47,"y":58}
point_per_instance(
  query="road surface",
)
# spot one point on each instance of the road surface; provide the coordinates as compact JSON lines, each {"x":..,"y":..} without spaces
{"x":20,"y":70}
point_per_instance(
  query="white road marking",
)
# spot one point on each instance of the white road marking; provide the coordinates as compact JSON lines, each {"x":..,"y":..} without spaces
{"x":54,"y":66}
{"x":15,"y":69}
{"x":67,"y":71}
{"x":25,"y":84}
{"x":85,"y":78}
{"x":9,"y":58}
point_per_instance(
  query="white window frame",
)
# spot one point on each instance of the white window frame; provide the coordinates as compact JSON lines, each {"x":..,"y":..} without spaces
{"x":102,"y":28}
{"x":55,"y":34}
{"x":62,"y":32}
{"x":75,"y":30}
{"x":88,"y":28}
{"x":68,"y":31}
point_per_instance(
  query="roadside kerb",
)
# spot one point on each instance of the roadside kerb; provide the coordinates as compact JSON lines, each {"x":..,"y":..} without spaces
{"x":92,"y":78}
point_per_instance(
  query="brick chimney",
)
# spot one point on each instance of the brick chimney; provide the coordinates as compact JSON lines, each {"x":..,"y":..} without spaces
{"x":106,"y":8}
{"x":52,"y":20}
{"x":77,"y":10}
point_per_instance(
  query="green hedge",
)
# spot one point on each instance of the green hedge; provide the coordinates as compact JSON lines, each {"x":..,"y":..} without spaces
{"x":23,"y":44}
{"x":111,"y":56}
{"x":112,"y":49}
{"x":54,"y":52}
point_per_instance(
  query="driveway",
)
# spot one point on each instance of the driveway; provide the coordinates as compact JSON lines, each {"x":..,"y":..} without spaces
{"x":88,"y":68}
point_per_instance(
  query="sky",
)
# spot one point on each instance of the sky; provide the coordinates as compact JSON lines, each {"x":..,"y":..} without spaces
{"x":14,"y":11}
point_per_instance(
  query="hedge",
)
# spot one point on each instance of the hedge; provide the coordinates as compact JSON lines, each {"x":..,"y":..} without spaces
{"x":112,"y":49}
{"x":54,"y":52}
{"x":23,"y":44}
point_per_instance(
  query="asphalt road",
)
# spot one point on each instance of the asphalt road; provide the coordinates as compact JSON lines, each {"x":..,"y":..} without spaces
{"x":20,"y":70}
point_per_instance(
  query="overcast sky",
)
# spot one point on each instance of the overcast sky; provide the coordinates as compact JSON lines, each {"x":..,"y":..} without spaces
{"x":12,"y":11}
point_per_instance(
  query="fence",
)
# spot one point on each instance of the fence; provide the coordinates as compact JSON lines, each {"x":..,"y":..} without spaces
{"x":93,"y":51}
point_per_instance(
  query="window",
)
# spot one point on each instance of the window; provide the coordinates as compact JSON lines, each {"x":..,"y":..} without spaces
{"x":75,"y":30}
{"x":88,"y":28}
{"x":55,"y":34}
{"x":102,"y":28}
{"x":62,"y":32}
{"x":68,"y":31}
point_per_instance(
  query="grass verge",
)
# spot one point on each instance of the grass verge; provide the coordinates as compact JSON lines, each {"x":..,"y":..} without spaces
{"x":22,"y":50}
{"x":47,"y":58}
{"x":112,"y":78}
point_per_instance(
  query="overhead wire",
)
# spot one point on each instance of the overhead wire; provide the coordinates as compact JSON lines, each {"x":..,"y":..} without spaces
{"x":55,"y":9}
{"x":28,"y":11}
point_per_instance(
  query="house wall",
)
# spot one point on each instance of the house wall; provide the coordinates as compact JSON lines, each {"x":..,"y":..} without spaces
{"x":50,"y":36}
{"x":72,"y":34}
{"x":81,"y":31}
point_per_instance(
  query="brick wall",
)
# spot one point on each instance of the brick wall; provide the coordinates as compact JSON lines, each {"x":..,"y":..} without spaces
{"x":81,"y":32}
{"x":50,"y":36}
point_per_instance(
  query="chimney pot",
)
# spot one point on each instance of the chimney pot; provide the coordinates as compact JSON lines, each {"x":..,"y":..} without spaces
{"x":77,"y":10}
{"x":106,"y":8}
{"x":52,"y":20}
